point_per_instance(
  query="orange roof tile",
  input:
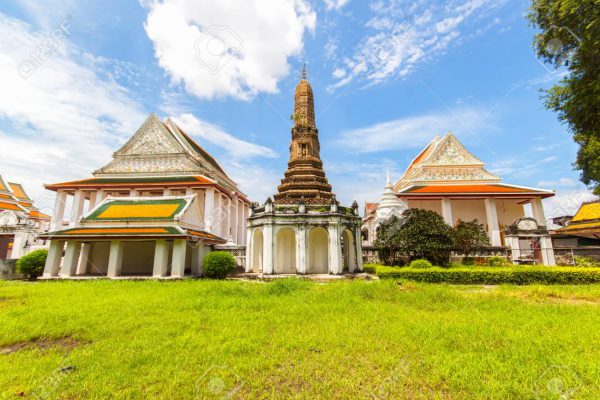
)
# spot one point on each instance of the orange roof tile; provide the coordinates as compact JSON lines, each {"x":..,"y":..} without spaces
{"x":471,"y":189}
{"x":589,"y":211}
{"x":129,"y":182}
{"x":10,"y":206}
{"x":36,"y":214}
{"x":18,"y":191}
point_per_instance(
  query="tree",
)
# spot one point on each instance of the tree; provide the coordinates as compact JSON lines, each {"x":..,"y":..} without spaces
{"x":570,"y":36}
{"x":418,"y":234}
{"x":469,"y":237}
{"x":32,"y":264}
{"x":218,"y":264}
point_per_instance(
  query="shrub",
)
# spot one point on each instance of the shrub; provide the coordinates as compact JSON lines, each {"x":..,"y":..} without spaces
{"x":369,"y":268}
{"x":468,"y":261}
{"x":420,"y":264}
{"x":32,"y":264}
{"x":218,"y":264}
{"x":496,"y":276}
{"x":586,"y":262}
{"x":469,"y":237}
{"x":497,"y":261}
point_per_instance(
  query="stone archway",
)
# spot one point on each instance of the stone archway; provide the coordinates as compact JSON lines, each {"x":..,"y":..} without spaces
{"x":285,"y":251}
{"x":348,"y":251}
{"x":318,"y":251}
{"x":256,"y":264}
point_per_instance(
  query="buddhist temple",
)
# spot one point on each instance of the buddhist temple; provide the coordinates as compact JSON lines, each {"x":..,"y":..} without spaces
{"x":448,"y":179}
{"x":304,"y":230}
{"x":154,"y":210}
{"x":20,"y":221}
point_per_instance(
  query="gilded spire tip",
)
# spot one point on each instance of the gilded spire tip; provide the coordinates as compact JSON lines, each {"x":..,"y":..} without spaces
{"x":304,"y":71}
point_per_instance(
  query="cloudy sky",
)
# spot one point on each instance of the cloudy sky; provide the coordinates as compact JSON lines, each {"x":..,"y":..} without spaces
{"x":79,"y":76}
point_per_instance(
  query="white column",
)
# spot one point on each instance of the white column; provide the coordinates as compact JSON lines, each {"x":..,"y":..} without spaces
{"x":83,"y":258}
{"x":547,"y":251}
{"x":71,"y":258}
{"x":167,"y":192}
{"x":189,"y":191}
{"x":100,"y":195}
{"x":54,"y":257}
{"x":268,"y":249}
{"x":115,"y":259}
{"x":229,"y":221}
{"x":218,"y":215}
{"x":537,"y":209}
{"x":447,"y":211}
{"x":161,"y":258}
{"x":134,"y":193}
{"x":198,"y":252}
{"x":234,"y":218}
{"x":241,"y":223}
{"x":249,"y":254}
{"x":335,"y":250}
{"x":178,"y":264}
{"x":59,"y":210}
{"x":209,"y":196}
{"x":77,"y":208}
{"x":19,"y":245}
{"x":492,"y":221}
{"x":301,"y":263}
{"x":92,"y":202}
{"x":358,"y":249}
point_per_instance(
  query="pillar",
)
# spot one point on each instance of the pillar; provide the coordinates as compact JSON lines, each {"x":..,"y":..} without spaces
{"x":447,"y":211}
{"x":59,"y":210}
{"x":161,"y":258}
{"x":115,"y":259}
{"x":249,"y":251}
{"x":167,"y":192}
{"x":77,"y":208}
{"x":92,"y":202}
{"x":134,"y":193}
{"x":335,"y":249}
{"x":537,"y":209}
{"x":198,"y":251}
{"x":235,"y":226}
{"x":268,"y":249}
{"x":301,"y":262}
{"x":83,"y":258}
{"x":189,"y":191}
{"x":54,"y":257}
{"x":19,"y":244}
{"x":209,"y":195}
{"x":71,"y":260}
{"x":358,"y":251}
{"x":218,"y":215}
{"x":229,"y":221}
{"x":178,"y":264}
{"x":547,"y":251}
{"x":492,"y":221}
{"x":100,"y":196}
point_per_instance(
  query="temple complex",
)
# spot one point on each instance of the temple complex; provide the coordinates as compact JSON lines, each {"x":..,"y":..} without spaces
{"x":20,"y":221}
{"x":304,"y":230}
{"x":154,"y":210}
{"x":448,"y":179}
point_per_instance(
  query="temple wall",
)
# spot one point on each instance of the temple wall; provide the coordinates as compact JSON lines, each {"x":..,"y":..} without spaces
{"x":468,"y":210}
{"x":433,"y":205}
{"x":508,"y":210}
{"x":138,"y":258}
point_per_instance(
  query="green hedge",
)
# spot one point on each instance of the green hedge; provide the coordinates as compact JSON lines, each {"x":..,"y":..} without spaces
{"x":495,"y":275}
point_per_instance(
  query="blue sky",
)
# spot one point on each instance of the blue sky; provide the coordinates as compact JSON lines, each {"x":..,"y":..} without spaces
{"x":387,"y":75}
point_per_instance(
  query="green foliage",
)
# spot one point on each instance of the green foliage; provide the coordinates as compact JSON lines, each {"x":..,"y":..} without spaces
{"x":570,"y":36}
{"x":496,"y":276}
{"x":32,"y":264}
{"x":218,"y":264}
{"x":369,"y":268}
{"x":497,"y":261}
{"x":420,"y":264}
{"x":469,"y":236}
{"x":418,"y":234}
{"x":468,"y":261}
{"x":586,"y":262}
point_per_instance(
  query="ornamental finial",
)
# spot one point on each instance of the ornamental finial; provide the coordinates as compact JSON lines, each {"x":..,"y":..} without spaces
{"x":304,"y":71}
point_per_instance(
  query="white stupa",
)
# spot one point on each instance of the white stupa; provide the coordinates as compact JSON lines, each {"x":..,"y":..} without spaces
{"x":389,"y":204}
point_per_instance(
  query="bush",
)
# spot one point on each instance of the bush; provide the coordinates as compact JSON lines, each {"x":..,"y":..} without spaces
{"x":420,"y":264}
{"x":497,"y":261}
{"x":496,"y":276}
{"x":468,"y":261}
{"x":586,"y":262}
{"x":218,"y":264}
{"x":469,"y":237}
{"x":32,"y":264}
{"x":369,"y":268}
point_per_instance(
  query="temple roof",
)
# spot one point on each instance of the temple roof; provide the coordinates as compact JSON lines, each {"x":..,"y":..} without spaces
{"x":128,"y":181}
{"x":139,"y":209}
{"x":135,"y":232}
{"x":585,"y":222}
{"x":474,"y":189}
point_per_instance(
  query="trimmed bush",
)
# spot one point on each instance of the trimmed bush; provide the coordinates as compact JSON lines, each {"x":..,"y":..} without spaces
{"x":217,"y":264}
{"x":32,"y":264}
{"x":468,"y":261}
{"x":420,"y":264}
{"x":586,"y":262}
{"x":496,"y":276}
{"x":497,"y":261}
{"x":369,"y":268}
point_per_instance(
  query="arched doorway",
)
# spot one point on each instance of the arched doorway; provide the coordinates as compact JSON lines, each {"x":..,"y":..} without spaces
{"x":318,"y":251}
{"x":285,"y":251}
{"x":257,"y":251}
{"x":348,"y":251}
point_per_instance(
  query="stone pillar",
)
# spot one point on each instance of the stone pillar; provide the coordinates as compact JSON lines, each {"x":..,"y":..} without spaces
{"x":209,"y":196}
{"x":492,"y":221}
{"x":189,"y":191}
{"x":161,"y":258}
{"x":335,"y":249}
{"x":249,"y":251}
{"x":513,"y":243}
{"x":301,"y":261}
{"x":547,"y":251}
{"x":71,"y":259}
{"x":178,"y":264}
{"x":235,"y":226}
{"x":100,"y":196}
{"x":229,"y":222}
{"x":358,"y":249}
{"x":537,"y":209}
{"x":447,"y":211}
{"x":19,"y":244}
{"x":218,"y":215}
{"x":115,"y":259}
{"x":268,"y":254}
{"x":59,"y":210}
{"x":167,"y":192}
{"x":54,"y":257}
{"x":198,"y":252}
{"x":134,"y":193}
{"x":84,"y":258}
{"x":77,"y":208}
{"x":92,"y":202}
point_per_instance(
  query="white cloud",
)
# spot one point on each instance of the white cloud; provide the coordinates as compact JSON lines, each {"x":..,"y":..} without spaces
{"x":407,"y":133}
{"x":402,"y":38}
{"x":562,"y":182}
{"x":222,"y":48}
{"x":567,"y":201}
{"x":214,"y":134}
{"x":335,"y":4}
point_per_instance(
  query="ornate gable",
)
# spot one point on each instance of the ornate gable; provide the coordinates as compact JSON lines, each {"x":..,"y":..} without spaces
{"x":451,"y":152}
{"x":151,"y":138}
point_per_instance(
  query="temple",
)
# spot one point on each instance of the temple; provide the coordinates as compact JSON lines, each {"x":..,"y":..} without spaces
{"x":448,"y":179}
{"x":154,"y":210}
{"x":304,"y":230}
{"x":20,"y":221}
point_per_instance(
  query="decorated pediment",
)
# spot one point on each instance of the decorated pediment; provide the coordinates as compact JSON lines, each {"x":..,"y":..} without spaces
{"x":451,"y":152}
{"x":152,"y":138}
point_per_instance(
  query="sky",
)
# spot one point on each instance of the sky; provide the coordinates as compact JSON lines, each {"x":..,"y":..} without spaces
{"x":78,"y":77}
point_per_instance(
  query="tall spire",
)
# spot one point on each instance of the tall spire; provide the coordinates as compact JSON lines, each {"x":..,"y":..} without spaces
{"x":303,"y":76}
{"x":304,"y":105}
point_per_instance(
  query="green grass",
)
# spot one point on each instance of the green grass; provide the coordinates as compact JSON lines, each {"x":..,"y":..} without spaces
{"x":297,"y":339}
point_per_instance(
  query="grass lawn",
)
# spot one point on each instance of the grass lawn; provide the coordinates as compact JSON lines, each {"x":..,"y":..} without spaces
{"x":297,"y":339}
